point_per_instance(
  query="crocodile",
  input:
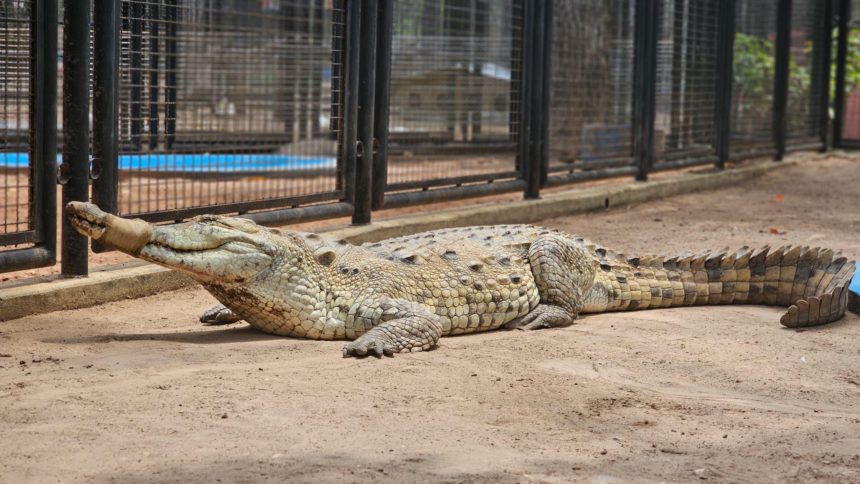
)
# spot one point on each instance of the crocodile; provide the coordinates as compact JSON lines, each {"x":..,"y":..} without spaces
{"x":404,"y":293}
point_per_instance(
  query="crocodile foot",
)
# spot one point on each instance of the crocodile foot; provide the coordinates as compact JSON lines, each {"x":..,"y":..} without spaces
{"x":219,"y":315}
{"x":370,"y":343}
{"x":543,"y":316}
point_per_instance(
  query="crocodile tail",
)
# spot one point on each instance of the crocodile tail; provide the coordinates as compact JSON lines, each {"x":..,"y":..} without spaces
{"x":811,"y":282}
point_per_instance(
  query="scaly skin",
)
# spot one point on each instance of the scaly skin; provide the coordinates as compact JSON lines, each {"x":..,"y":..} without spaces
{"x":403,"y":294}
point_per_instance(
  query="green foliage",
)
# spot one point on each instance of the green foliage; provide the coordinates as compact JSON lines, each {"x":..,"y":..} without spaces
{"x":852,"y":64}
{"x":754,"y":70}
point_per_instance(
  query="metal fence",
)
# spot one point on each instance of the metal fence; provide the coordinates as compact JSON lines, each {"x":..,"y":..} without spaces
{"x":224,"y":106}
{"x":291,"y":110}
{"x":28,"y":88}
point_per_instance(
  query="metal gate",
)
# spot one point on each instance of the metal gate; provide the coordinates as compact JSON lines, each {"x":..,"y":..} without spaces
{"x":224,"y":106}
{"x":28,"y":87}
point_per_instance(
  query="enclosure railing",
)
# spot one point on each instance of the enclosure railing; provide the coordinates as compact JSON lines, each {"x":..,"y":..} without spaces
{"x":293,"y":110}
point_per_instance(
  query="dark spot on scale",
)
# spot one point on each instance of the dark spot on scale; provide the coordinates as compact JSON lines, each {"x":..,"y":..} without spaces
{"x":344,"y":270}
{"x":312,"y":236}
{"x":450,"y":254}
{"x":354,"y":271}
{"x":601,"y":252}
{"x":342,"y":242}
{"x":579,"y":240}
{"x":505,"y":261}
{"x":497,"y":298}
{"x":516,"y":279}
{"x":479,"y":286}
{"x":606,"y":267}
{"x":475,"y":266}
{"x":633,"y":261}
{"x":409,"y":259}
{"x":621,"y":279}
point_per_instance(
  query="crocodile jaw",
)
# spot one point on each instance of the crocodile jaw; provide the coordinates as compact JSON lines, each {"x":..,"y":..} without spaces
{"x":208,"y":249}
{"x":127,"y":235}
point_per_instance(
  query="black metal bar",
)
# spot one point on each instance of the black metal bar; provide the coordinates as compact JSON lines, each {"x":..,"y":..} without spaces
{"x":74,"y":171}
{"x":385,"y":33}
{"x":135,"y":14}
{"x":301,"y":214}
{"x":782,"y":53}
{"x":448,"y":181}
{"x":154,"y":45}
{"x":350,"y":97}
{"x":644,"y":85}
{"x":43,"y":134}
{"x":823,"y":47}
{"x":724,"y":78}
{"x":578,"y":176}
{"x":530,"y":168}
{"x":804,"y":145}
{"x":684,"y":163}
{"x":105,"y":172}
{"x":20,"y":259}
{"x":546,"y":79}
{"x":18,"y":238}
{"x":366,"y":93}
{"x":533,"y":105}
{"x":394,"y":200}
{"x":757,"y":152}
{"x":844,"y":14}
{"x":171,"y":63}
{"x":241,"y":207}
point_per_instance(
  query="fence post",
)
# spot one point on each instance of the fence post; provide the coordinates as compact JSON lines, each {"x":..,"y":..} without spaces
{"x":530,"y":166}
{"x":74,"y":170}
{"x":546,"y":71}
{"x":350,"y":98}
{"x":535,"y":105}
{"x":384,"y":41}
{"x":780,"y":82}
{"x":644,"y":85}
{"x":725,"y":65}
{"x":365,"y":92}
{"x":106,"y":26}
{"x":823,"y":46}
{"x":844,"y":14}
{"x":44,"y":129}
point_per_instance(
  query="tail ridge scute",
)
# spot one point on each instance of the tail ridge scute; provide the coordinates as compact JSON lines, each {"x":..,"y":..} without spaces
{"x":825,"y":290}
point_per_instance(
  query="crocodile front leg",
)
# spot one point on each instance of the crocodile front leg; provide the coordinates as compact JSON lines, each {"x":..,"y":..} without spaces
{"x":561,"y":269}
{"x":405,"y":327}
{"x":219,"y":315}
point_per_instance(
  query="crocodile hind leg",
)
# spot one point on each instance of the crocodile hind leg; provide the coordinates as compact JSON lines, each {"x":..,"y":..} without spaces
{"x":218,"y":315}
{"x":560,"y":268}
{"x":405,"y":327}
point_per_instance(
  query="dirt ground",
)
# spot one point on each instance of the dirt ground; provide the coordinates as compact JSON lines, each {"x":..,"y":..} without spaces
{"x":137,"y":391}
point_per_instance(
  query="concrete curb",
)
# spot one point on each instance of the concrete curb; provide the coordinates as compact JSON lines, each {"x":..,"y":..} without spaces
{"x":145,"y":279}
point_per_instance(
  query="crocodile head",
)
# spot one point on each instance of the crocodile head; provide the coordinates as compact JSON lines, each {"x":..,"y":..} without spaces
{"x":209,"y":248}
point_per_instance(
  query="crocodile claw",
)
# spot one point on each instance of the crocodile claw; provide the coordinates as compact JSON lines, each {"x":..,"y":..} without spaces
{"x":366,"y":345}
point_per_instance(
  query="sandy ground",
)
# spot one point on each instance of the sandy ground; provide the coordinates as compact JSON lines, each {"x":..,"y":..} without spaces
{"x":137,"y":391}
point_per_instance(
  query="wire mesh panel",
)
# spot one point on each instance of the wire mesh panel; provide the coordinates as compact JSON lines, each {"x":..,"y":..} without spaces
{"x":225,"y":105}
{"x":15,"y":93}
{"x":805,"y":80}
{"x":454,"y":91}
{"x":752,"y":90}
{"x":592,"y":85}
{"x":686,"y":80}
{"x":851,"y":108}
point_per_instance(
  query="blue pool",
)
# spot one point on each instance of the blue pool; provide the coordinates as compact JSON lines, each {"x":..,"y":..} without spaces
{"x":855,"y":283}
{"x":200,"y":162}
